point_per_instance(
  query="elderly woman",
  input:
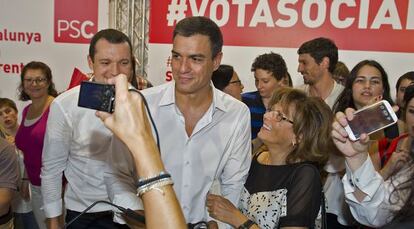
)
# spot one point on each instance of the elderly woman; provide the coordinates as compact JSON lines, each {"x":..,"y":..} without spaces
{"x":284,"y":187}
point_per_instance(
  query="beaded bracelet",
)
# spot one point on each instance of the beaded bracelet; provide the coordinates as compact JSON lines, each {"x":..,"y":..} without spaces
{"x":155,"y":185}
{"x":144,"y":181}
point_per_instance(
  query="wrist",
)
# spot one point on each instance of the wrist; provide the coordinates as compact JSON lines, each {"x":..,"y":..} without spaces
{"x":238,"y":219}
{"x":355,"y":162}
{"x":246,"y":225}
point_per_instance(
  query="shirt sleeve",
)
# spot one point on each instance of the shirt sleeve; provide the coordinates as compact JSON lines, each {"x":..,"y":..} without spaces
{"x":9,"y":172}
{"x":237,"y":166}
{"x":303,"y":198}
{"x":54,"y":159}
{"x":375,"y":209}
{"x":120,"y":179}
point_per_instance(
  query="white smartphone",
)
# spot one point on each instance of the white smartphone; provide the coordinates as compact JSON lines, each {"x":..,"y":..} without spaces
{"x":370,"y":119}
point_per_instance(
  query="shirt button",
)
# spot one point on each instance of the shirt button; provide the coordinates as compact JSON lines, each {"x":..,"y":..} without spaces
{"x":350,"y":182}
{"x":357,"y":180}
{"x":187,"y":163}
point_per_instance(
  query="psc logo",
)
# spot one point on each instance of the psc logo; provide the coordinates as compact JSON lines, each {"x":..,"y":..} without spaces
{"x":76,"y":21}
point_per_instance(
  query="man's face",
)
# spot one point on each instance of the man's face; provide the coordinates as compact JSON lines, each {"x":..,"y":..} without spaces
{"x":192,"y":63}
{"x":110,"y":60}
{"x":8,"y":117}
{"x":310,"y":70}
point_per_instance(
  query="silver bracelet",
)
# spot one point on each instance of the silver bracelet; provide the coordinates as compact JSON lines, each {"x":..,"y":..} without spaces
{"x":155,"y":185}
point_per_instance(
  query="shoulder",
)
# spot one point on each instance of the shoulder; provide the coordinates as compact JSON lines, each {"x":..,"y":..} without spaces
{"x":68,"y":97}
{"x":305,"y":172}
{"x":6,"y":149}
{"x":157,"y":90}
{"x":250,"y":95}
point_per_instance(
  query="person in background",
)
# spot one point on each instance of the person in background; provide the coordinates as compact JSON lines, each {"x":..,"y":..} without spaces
{"x":284,"y":187}
{"x":367,"y":84}
{"x":78,"y":145}
{"x":36,"y":85}
{"x":374,"y":200}
{"x":402,"y":83}
{"x":21,"y":205}
{"x":9,"y":179}
{"x":340,"y":73}
{"x":270,"y":72}
{"x":226,"y":79}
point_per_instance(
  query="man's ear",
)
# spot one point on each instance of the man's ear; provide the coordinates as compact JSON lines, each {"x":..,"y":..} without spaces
{"x":325,"y":62}
{"x":217,"y":60}
{"x":90,"y":62}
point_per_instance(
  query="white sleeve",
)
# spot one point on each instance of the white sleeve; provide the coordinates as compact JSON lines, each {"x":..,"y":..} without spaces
{"x":375,"y":209}
{"x":236,"y":169}
{"x":121,"y":179}
{"x":54,"y":159}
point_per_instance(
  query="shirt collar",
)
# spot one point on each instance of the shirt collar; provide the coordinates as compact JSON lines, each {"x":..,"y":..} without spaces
{"x":169,"y":97}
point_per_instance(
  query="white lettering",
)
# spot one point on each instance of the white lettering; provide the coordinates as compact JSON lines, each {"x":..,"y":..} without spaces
{"x":291,"y":13}
{"x":363,"y":14}
{"x":63,"y":25}
{"x":306,"y":13}
{"x":335,"y":20}
{"x":83,"y":29}
{"x":410,"y":15}
{"x":262,"y":14}
{"x":241,"y":10}
{"x":201,"y":11}
{"x":226,"y":12}
{"x":75,"y":28}
{"x":387,"y":7}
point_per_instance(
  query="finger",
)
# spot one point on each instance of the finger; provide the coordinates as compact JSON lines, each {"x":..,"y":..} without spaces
{"x":341,"y":118}
{"x":395,"y":108}
{"x":338,"y":137}
{"x":340,"y":129}
{"x":364,"y":138}
{"x":349,"y":113}
{"x":121,"y":86}
{"x":102,"y":115}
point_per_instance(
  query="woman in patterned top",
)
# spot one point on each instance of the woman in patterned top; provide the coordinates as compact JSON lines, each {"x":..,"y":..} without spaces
{"x":284,"y":187}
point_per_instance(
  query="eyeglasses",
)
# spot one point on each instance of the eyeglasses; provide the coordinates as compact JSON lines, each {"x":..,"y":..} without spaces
{"x":37,"y":81}
{"x":278,"y":116}
{"x":237,"y":82}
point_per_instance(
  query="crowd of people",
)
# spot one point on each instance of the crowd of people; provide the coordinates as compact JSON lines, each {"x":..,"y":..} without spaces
{"x":197,"y":152}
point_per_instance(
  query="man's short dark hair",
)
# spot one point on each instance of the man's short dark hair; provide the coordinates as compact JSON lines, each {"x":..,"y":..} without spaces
{"x":271,"y":62}
{"x":319,"y":48}
{"x":113,"y":36}
{"x":204,"y":26}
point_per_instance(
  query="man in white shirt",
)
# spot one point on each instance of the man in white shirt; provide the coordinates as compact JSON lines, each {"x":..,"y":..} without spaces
{"x":204,"y":133}
{"x":78,"y":144}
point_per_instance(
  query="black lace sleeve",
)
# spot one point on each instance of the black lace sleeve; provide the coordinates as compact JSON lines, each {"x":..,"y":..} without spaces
{"x":303,"y":198}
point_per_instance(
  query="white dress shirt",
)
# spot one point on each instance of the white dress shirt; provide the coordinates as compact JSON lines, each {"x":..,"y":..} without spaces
{"x":219,"y":148}
{"x":375,"y":210}
{"x":76,"y":143}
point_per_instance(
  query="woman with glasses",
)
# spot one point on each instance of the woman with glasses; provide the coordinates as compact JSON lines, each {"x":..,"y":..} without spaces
{"x":36,"y":85}
{"x":284,"y":187}
{"x":226,"y":79}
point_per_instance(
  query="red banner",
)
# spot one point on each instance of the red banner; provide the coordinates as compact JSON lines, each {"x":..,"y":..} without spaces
{"x":372,"y":25}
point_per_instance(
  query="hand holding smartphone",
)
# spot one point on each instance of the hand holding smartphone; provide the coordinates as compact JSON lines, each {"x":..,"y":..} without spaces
{"x":371,"y":119}
{"x":97,"y":96}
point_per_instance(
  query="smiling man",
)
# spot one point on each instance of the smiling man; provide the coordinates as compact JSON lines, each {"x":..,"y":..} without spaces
{"x":204,"y":133}
{"x":78,"y":144}
{"x":317,"y":60}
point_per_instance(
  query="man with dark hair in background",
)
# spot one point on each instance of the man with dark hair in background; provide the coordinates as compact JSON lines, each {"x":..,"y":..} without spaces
{"x":204,"y":133}
{"x":317,"y":61}
{"x":78,"y":144}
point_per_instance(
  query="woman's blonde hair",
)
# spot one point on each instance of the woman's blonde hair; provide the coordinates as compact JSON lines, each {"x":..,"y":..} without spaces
{"x":312,"y":123}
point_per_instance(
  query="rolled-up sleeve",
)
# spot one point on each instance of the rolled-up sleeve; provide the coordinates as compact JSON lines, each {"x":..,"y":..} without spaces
{"x":54,"y":159}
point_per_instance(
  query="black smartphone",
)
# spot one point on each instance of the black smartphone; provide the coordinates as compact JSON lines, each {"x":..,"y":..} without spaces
{"x":97,"y":96}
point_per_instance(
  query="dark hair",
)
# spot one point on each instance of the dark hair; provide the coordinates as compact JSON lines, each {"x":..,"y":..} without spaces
{"x":114,"y":36}
{"x":341,"y":70}
{"x":312,"y":119}
{"x":345,"y":99}
{"x":35,"y":65}
{"x":407,"y":75}
{"x":6,"y":102}
{"x":289,"y":78}
{"x":204,"y":26}
{"x":408,"y":95}
{"x":222,"y":76}
{"x":271,"y":62}
{"x":319,"y":48}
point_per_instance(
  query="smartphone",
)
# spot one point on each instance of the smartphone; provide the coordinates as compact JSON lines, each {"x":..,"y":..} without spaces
{"x":97,"y":96}
{"x":370,"y":119}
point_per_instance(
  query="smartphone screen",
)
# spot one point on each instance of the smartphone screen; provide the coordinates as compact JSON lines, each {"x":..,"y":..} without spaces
{"x":372,"y":118}
{"x":96,"y":96}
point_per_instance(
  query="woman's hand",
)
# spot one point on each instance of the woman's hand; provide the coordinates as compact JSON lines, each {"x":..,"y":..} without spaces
{"x":222,"y":209}
{"x":397,"y":160}
{"x":24,"y":190}
{"x":355,"y":152}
